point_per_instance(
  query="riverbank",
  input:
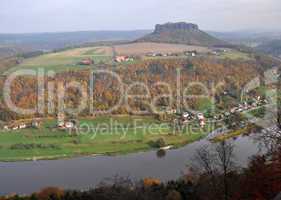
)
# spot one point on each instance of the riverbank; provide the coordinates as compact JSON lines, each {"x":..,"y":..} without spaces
{"x":250,"y":128}
{"x":117,"y":135}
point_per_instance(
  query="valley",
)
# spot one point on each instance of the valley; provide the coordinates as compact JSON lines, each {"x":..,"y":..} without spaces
{"x":142,"y":102}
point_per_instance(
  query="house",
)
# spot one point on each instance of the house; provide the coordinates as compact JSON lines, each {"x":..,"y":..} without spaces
{"x":35,"y":123}
{"x":227,"y":114}
{"x":151,"y":55}
{"x":69,"y":125}
{"x":185,"y":115}
{"x":22,"y":126}
{"x":200,"y":116}
{"x":87,"y":61}
{"x":120,"y":59}
{"x":60,"y":125}
{"x":191,"y":53}
{"x":65,"y":124}
{"x":233,"y":110}
{"x":240,"y":109}
{"x":202,"y":123}
{"x":202,"y":120}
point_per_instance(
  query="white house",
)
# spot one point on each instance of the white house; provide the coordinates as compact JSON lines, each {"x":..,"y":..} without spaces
{"x":202,"y":123}
{"x":200,"y":116}
{"x":185,"y":115}
{"x":15,"y":128}
{"x":22,"y":126}
{"x":69,"y":125}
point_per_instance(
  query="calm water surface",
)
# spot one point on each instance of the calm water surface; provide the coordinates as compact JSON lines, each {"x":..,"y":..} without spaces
{"x":87,"y":172}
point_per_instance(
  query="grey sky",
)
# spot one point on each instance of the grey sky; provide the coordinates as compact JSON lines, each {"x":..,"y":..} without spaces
{"x":72,"y":15}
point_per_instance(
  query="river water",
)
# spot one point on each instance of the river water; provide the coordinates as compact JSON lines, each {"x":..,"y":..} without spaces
{"x":87,"y":172}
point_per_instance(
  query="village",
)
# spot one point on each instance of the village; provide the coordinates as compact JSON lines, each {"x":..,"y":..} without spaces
{"x":183,"y":118}
{"x":201,"y":119}
{"x":22,"y":124}
{"x":36,"y":123}
{"x":130,"y":58}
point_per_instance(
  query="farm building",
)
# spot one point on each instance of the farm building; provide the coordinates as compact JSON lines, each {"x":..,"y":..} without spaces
{"x":69,"y":124}
{"x":156,"y":55}
{"x":63,"y":123}
{"x":22,"y":124}
{"x":191,"y":53}
{"x":120,"y":59}
{"x":87,"y":61}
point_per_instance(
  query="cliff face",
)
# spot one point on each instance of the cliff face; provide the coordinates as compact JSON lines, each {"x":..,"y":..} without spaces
{"x":181,"y":33}
{"x":175,"y":26}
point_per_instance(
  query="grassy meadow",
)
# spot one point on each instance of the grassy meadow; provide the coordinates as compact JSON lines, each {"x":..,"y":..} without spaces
{"x":67,"y":60}
{"x":142,"y":48}
{"x":107,"y":135}
{"x":234,"y":55}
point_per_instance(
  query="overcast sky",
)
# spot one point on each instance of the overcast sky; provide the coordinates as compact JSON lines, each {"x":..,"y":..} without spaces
{"x":18,"y":16}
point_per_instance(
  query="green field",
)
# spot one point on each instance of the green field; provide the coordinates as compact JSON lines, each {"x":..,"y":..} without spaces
{"x":137,"y":134}
{"x":234,"y":55}
{"x":66,"y":60}
{"x":69,"y":59}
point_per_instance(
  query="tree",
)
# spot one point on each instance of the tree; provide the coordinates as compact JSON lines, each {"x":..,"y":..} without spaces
{"x":225,"y":162}
{"x":215,"y":163}
{"x":233,"y":121}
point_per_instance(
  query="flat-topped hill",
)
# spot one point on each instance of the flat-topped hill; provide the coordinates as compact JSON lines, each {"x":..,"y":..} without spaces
{"x":181,"y":33}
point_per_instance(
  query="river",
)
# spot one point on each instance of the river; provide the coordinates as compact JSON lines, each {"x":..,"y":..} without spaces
{"x":86,"y":172}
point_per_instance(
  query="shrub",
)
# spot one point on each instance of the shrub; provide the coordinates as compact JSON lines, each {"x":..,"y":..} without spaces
{"x":148,"y":182}
{"x":33,"y":146}
{"x":160,"y":143}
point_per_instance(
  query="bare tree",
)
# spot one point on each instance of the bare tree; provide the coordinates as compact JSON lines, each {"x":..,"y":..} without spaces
{"x":225,"y":163}
{"x":205,"y":158}
{"x":215,"y":163}
{"x":205,"y":164}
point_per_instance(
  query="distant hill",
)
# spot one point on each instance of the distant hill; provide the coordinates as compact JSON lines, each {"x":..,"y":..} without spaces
{"x":273,"y":47}
{"x":181,"y":33}
{"x":10,"y":43}
{"x":249,"y":38}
